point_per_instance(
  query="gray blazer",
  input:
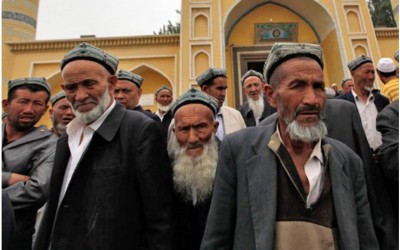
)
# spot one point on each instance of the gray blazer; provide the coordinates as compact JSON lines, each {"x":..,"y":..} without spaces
{"x":344,"y":124}
{"x":33,"y":155}
{"x":243,"y":207}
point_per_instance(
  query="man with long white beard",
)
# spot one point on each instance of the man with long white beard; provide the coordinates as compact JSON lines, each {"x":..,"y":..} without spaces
{"x":287,"y":185}
{"x":163,"y":98}
{"x":256,"y":108}
{"x":111,"y":184}
{"x":193,"y":149}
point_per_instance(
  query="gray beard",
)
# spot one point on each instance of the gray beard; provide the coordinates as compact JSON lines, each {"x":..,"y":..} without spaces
{"x":164,"y":108}
{"x":306,"y":134}
{"x":194,"y":174}
{"x":297,"y":132}
{"x":59,"y":127}
{"x":96,"y":112}
{"x":257,"y":107}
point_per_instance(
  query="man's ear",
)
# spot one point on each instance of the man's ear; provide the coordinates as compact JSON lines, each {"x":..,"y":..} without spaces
{"x":269,"y":94}
{"x":5,"y":104}
{"x":112,"y":82}
{"x":204,"y":88}
{"x":216,"y":124}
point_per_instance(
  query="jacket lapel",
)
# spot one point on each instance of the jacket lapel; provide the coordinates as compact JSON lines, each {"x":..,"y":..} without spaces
{"x":262,"y":186}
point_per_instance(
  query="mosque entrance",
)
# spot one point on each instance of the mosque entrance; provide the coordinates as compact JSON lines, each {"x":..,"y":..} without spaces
{"x":244,"y":59}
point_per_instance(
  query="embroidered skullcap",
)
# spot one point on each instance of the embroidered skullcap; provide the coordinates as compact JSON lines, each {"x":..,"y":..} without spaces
{"x":354,"y":64}
{"x":195,"y":96}
{"x":281,"y":52}
{"x":163,"y":87}
{"x":36,"y":81}
{"x":251,"y":73}
{"x":209,"y":75}
{"x":85,"y":51}
{"x":55,"y":98}
{"x":129,"y":76}
{"x":396,"y":55}
{"x":345,"y":80}
{"x":386,"y":65}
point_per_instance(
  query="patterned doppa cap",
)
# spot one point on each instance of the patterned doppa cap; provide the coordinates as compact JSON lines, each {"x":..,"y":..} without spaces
{"x":85,"y":51}
{"x":55,"y":98}
{"x":251,"y":73}
{"x":282,"y":52}
{"x":354,"y":64}
{"x":134,"y":78}
{"x":195,"y":96}
{"x":38,"y":81}
{"x":210,"y":74}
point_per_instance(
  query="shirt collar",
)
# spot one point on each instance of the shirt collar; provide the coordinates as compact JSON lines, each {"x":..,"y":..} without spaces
{"x":317,"y":152}
{"x":370,"y":96}
{"x":74,"y":126}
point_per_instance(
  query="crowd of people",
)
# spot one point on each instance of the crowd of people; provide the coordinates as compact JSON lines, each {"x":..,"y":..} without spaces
{"x":297,"y":166}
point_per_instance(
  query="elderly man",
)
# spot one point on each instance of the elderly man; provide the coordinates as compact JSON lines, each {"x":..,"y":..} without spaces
{"x":256,"y":108}
{"x":194,"y":151}
{"x":387,"y":73}
{"x":214,"y":82}
{"x":28,"y":154}
{"x":128,"y":92}
{"x":108,"y":190}
{"x":368,"y":103}
{"x":347,"y":85}
{"x":288,"y":180}
{"x":61,"y":113}
{"x":163,"y":98}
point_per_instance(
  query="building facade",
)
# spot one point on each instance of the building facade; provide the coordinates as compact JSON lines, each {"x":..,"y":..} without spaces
{"x":232,"y":34}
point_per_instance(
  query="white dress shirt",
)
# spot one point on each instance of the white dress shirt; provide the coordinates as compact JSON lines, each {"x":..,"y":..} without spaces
{"x":79,"y":137}
{"x":368,"y":113}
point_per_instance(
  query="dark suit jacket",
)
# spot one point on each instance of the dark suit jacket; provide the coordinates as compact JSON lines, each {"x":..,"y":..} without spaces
{"x":149,"y":114}
{"x":344,"y":124}
{"x":243,"y":207}
{"x":120,"y":195}
{"x":248,"y":116}
{"x":379,"y":100}
{"x":387,"y":123}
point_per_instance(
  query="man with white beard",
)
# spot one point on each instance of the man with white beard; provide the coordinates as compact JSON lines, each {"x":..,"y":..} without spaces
{"x":368,"y":104}
{"x":256,"y":108}
{"x":193,"y":149}
{"x":163,"y":98}
{"x":287,"y":185}
{"x":111,"y":185}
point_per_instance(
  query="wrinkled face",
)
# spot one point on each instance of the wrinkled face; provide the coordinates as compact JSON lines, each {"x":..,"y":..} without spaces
{"x":364,"y":76}
{"x":194,"y":126}
{"x":297,"y":91}
{"x":348,"y":86}
{"x":61,"y":114}
{"x":164,"y":97}
{"x":26,"y":108}
{"x":89,"y":87}
{"x":127,"y":93}
{"x":252,"y":87}
{"x":217,"y":89}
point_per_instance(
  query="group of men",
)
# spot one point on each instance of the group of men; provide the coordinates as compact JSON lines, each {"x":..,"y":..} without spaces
{"x":306,"y":173}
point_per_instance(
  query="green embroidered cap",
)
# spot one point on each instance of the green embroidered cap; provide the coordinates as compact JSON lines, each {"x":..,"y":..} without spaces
{"x":281,"y":52}
{"x":129,"y":76}
{"x":210,"y":74}
{"x":195,"y":96}
{"x":86,"y":51}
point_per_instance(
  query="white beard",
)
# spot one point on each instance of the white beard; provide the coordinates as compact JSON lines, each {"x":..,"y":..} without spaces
{"x":306,"y":134}
{"x":257,"y":107}
{"x":96,"y":112}
{"x":164,"y":108}
{"x":194,"y":176}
